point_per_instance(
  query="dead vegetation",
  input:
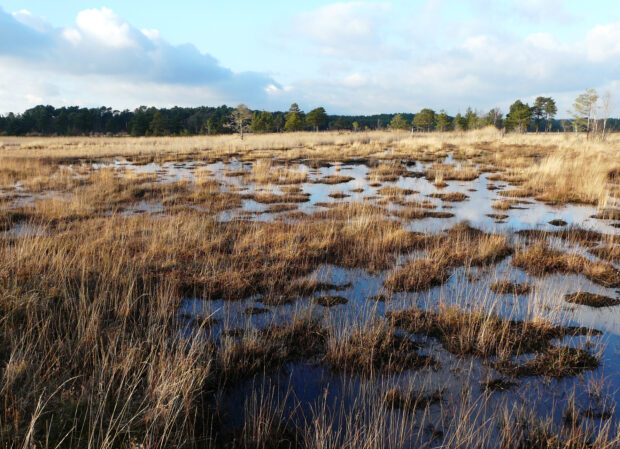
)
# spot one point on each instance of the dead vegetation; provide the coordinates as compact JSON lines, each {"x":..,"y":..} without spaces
{"x":556,"y":361}
{"x":410,"y":400}
{"x":376,"y":351}
{"x":540,"y":260}
{"x":460,"y":246}
{"x":591,"y":299}
{"x":95,"y":353}
{"x":481,"y":334}
{"x":507,"y":287}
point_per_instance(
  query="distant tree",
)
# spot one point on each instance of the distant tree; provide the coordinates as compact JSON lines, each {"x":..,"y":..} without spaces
{"x":472,"y":119}
{"x":443,"y":121}
{"x":459,"y":123}
{"x":538,"y":112}
{"x":158,"y":125}
{"x":544,"y":108}
{"x":550,"y":109}
{"x":294,"y":119}
{"x":139,"y":123}
{"x":494,"y":117}
{"x":341,"y":123}
{"x":584,"y":110}
{"x":278,"y":122}
{"x":356,"y":126}
{"x":606,"y":107}
{"x":263,"y":122}
{"x":317,"y":118}
{"x":519,"y":116}
{"x":424,"y":120}
{"x":294,"y":123}
{"x":398,"y":122}
{"x":240,"y":119}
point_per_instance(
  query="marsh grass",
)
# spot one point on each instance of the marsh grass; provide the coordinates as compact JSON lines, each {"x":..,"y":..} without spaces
{"x":479,"y":333}
{"x":540,"y":260}
{"x":94,"y":351}
{"x":591,"y":299}
{"x":461,"y":246}
{"x":505,"y":287}
{"x":376,"y":350}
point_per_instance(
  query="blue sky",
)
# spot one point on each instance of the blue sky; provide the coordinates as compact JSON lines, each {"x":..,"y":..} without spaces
{"x":351,"y":57}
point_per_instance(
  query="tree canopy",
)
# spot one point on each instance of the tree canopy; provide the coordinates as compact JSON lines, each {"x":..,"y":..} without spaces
{"x":519,"y":116}
{"x":317,"y":118}
{"x":399,"y":122}
{"x":45,"y":120}
{"x":424,"y":120}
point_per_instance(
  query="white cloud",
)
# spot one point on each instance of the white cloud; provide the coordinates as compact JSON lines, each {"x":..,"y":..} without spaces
{"x":106,"y":27}
{"x":603,"y":42}
{"x":543,"y":10}
{"x":72,"y":35}
{"x":345,"y":29}
{"x":151,"y":34}
{"x":357,"y":57}
{"x":35,"y":22}
{"x":103,"y":45}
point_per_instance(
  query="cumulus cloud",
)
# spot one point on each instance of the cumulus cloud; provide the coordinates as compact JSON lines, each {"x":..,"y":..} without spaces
{"x":351,"y":57}
{"x":478,"y":67}
{"x":103,"y":44}
{"x":346,"y":29}
{"x":544,"y":10}
{"x":603,"y":42}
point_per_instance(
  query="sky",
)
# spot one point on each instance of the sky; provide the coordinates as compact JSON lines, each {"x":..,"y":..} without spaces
{"x":352,"y":57}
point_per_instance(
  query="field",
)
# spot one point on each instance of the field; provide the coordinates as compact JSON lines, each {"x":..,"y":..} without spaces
{"x":310,"y":290}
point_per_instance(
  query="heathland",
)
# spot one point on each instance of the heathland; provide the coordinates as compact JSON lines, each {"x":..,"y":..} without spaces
{"x":310,"y":290}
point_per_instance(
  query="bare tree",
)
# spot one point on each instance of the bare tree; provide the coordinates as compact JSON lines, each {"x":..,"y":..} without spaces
{"x":584,"y":110}
{"x":606,"y":107}
{"x":240,"y":119}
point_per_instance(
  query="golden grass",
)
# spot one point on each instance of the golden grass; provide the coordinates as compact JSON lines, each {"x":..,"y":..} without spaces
{"x":481,"y":333}
{"x":540,"y":260}
{"x":462,"y":246}
{"x":553,"y":167}
{"x":94,"y":353}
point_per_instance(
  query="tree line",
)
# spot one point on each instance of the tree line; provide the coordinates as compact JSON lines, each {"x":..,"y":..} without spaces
{"x":590,"y":113}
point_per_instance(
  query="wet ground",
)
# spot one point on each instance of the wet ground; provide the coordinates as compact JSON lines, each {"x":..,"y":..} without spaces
{"x":304,"y":386}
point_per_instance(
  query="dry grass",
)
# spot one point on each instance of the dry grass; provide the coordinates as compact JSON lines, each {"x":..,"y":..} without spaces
{"x":556,"y":361}
{"x":94,"y":351}
{"x":462,"y":246}
{"x":377,"y":351}
{"x":479,"y":333}
{"x":505,"y":287}
{"x":450,"y":197}
{"x":540,"y":260}
{"x":591,"y":299}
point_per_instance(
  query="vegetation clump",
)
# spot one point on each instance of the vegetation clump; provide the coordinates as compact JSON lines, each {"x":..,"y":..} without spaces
{"x":462,"y":245}
{"x":505,"y":287}
{"x":450,"y":197}
{"x":591,"y":299}
{"x":376,"y":351}
{"x":540,"y":260}
{"x":417,"y":275}
{"x":334,"y":179}
{"x":331,"y":300}
{"x":555,"y":361}
{"x":480,"y":334}
{"x":497,"y":384}
{"x":410,"y":400}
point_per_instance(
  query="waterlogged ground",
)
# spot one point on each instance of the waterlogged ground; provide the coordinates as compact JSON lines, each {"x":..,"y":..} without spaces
{"x":455,"y":383}
{"x":303,"y":386}
{"x":475,"y":209}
